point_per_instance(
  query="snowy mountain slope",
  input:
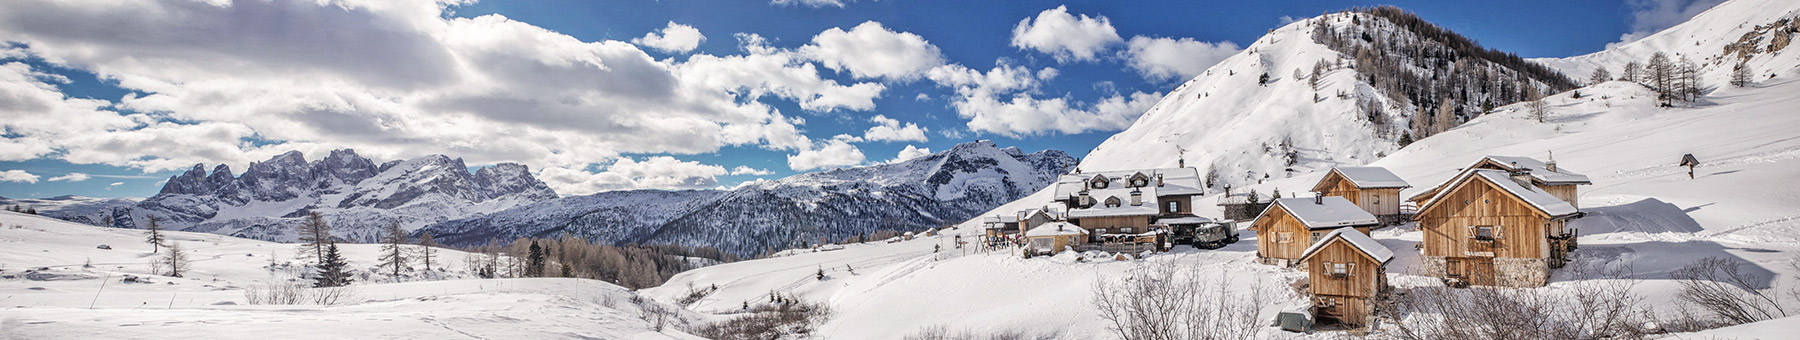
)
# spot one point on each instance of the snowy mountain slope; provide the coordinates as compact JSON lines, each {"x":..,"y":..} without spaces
{"x":1230,"y":120}
{"x":46,"y":293}
{"x":80,"y":209}
{"x":356,"y":196}
{"x":1716,"y":39}
{"x":1643,"y":213}
{"x":929,"y":191}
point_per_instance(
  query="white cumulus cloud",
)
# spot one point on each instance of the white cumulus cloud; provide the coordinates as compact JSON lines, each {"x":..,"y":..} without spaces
{"x":1066,"y":37}
{"x":1164,"y":59}
{"x":909,"y":153}
{"x":833,"y":153}
{"x":872,"y":51}
{"x":1650,"y":16}
{"x":672,"y":38}
{"x":71,"y":177}
{"x":19,"y":176}
{"x":625,"y":173}
{"x":812,"y":3}
{"x":891,"y":130}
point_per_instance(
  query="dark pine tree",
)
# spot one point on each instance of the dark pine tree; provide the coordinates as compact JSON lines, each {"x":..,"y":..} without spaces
{"x":331,"y":269}
{"x":534,"y":260}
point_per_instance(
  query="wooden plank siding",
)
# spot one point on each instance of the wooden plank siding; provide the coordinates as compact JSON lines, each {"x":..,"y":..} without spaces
{"x":1114,"y":224}
{"x":1447,"y":225}
{"x":1379,"y":201}
{"x":1276,"y":221}
{"x":1565,"y":192}
{"x":1347,"y":309}
{"x":1366,"y":276}
{"x":1185,"y":204}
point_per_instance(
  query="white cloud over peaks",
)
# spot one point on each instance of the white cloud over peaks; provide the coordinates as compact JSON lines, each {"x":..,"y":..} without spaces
{"x":1651,"y":16}
{"x":626,"y":173}
{"x":909,"y":153}
{"x":672,"y":39}
{"x":390,"y":78}
{"x":1164,"y":59}
{"x":71,"y":177}
{"x":891,"y":130}
{"x":745,"y":170}
{"x":812,"y":3}
{"x":836,"y":152}
{"x":1066,"y":37}
{"x":18,"y":176}
{"x":1022,"y":115}
{"x":872,"y":51}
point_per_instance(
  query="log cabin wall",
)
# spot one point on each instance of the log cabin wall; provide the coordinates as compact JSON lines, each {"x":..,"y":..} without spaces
{"x":1365,"y":278}
{"x":1447,"y":225}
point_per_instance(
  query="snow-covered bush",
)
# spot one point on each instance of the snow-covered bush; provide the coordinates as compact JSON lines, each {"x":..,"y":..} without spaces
{"x":1163,"y":300}
{"x":790,"y":319}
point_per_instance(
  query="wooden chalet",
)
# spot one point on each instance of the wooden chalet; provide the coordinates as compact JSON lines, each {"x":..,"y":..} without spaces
{"x":1558,"y":181}
{"x":1127,"y":202}
{"x":1017,"y":223}
{"x":1290,"y":225}
{"x":1054,"y":237}
{"x":1495,"y":228}
{"x":1346,"y":272}
{"x":1375,"y":189}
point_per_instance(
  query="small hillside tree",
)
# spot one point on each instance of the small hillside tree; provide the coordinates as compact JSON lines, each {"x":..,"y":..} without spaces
{"x":331,"y":268}
{"x":1632,"y":73}
{"x":1600,"y":76}
{"x":172,"y":263}
{"x":154,"y":236}
{"x":427,"y":249}
{"x":1740,"y":74}
{"x":393,"y":249}
{"x":1539,"y":109}
{"x":315,"y":235}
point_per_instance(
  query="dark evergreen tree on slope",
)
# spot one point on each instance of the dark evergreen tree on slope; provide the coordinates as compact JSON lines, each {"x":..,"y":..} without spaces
{"x":331,"y":268}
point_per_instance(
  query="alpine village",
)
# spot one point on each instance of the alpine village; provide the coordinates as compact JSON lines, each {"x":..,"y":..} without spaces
{"x":899,"y":170}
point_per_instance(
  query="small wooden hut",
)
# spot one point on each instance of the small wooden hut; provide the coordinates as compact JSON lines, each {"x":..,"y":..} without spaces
{"x":1346,"y":272}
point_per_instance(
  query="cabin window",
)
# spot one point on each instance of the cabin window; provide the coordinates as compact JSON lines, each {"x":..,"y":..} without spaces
{"x":1113,"y":202}
{"x":1486,"y":232}
{"x":1099,"y":184}
{"x":1140,"y":182}
{"x":1315,"y":238}
{"x":1284,"y":237}
{"x":1339,"y":269}
{"x":1174,"y":206}
{"x":1377,"y":198}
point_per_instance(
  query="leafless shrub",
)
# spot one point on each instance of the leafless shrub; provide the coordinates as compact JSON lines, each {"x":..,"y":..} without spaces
{"x":1163,"y":301}
{"x":1594,"y":304}
{"x":1719,"y":288}
{"x":792,"y":319}
{"x":941,"y":332}
{"x":276,"y":293}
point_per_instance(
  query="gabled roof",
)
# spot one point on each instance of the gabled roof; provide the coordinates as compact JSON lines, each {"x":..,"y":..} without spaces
{"x":1356,"y":239}
{"x":1100,"y":210}
{"x":1539,"y":170}
{"x":1330,"y":212}
{"x":1533,"y":196}
{"x":1056,"y":229}
{"x":1072,"y":184}
{"x":1365,"y":177}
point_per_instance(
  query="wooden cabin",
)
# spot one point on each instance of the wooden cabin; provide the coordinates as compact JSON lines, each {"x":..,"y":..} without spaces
{"x":1375,"y":189}
{"x":1127,"y":202}
{"x":1054,"y":237}
{"x":1558,"y":181}
{"x":1290,"y":225}
{"x":1493,"y":228}
{"x":1346,"y":272}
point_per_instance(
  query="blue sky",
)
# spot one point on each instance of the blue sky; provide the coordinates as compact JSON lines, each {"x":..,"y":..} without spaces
{"x":609,"y":95}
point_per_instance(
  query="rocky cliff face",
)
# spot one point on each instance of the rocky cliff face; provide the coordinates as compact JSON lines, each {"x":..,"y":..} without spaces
{"x":355,"y":194}
{"x":935,"y":190}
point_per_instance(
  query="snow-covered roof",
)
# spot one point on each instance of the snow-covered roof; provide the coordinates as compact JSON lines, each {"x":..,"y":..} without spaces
{"x":1056,"y":229}
{"x":1331,"y":211}
{"x":1071,"y":184}
{"x":1169,"y":189}
{"x":1184,"y":220}
{"x":1356,"y":239}
{"x":1370,"y":177}
{"x":1001,"y":219}
{"x":1540,"y":170}
{"x":1532,"y":195}
{"x":1100,"y":210}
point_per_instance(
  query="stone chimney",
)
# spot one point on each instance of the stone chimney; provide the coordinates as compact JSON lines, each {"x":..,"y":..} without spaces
{"x":1159,"y":181}
{"x":1318,"y":198}
{"x":1137,"y":197}
{"x":1085,"y":199}
{"x":1522,"y":175}
{"x":1551,"y":165}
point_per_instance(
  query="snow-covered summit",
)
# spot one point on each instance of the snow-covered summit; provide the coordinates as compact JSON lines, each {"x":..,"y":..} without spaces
{"x":356,"y":196}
